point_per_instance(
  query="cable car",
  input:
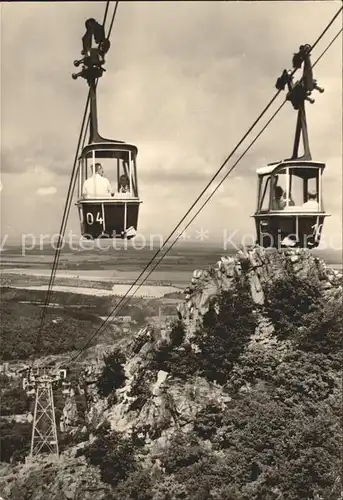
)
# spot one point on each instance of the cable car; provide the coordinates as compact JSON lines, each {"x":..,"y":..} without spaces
{"x":290,"y":209}
{"x":113,"y":214}
{"x":108,"y":200}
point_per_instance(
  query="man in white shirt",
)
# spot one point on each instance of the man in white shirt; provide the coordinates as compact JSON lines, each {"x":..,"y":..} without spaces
{"x":97,"y":186}
{"x":311,"y":204}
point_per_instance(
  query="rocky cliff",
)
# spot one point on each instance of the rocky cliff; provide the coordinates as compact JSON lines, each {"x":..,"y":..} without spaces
{"x":166,"y":383}
{"x":261,"y":267}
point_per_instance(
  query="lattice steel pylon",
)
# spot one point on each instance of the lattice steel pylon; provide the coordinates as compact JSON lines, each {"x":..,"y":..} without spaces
{"x":41,"y":382}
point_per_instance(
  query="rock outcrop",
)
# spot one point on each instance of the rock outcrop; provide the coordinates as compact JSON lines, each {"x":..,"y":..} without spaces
{"x":155,"y":403}
{"x":152,"y":404}
{"x":261,"y":267}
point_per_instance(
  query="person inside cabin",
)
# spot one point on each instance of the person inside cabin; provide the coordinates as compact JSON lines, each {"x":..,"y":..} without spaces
{"x":124,"y":184}
{"x":311,"y":203}
{"x":279,"y":202}
{"x":288,"y":201}
{"x":97,"y":186}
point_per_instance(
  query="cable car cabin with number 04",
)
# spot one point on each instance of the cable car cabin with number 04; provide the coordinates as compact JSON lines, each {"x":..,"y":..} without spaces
{"x":108,"y":200}
{"x":290,"y":210}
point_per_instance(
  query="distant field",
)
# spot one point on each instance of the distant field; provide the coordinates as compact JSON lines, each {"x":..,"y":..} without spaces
{"x":100,"y":275}
{"x":80,"y":268}
{"x":118,"y":290}
{"x":100,"y":269}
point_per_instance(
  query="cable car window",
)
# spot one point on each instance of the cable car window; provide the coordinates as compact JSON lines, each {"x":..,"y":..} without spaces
{"x":296,"y":190}
{"x":265,"y":193}
{"x":116,"y":168}
{"x":279,"y":188}
{"x":312,"y":185}
{"x":282,"y":191}
{"x":311,"y":194}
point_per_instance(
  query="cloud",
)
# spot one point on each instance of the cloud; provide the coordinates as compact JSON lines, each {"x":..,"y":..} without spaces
{"x":228,"y":202}
{"x":46,"y":191}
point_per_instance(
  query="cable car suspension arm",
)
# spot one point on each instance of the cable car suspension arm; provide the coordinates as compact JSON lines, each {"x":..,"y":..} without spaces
{"x":298,"y":93}
{"x":93,"y":67}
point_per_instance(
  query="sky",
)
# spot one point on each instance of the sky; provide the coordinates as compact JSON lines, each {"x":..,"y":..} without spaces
{"x":184,"y":82}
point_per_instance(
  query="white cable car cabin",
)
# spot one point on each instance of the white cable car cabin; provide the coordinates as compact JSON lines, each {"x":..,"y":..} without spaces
{"x":108,"y":204}
{"x":290,"y":210}
{"x":111,"y":213}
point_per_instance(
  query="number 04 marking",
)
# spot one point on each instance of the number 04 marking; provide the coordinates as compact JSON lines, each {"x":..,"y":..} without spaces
{"x":90,"y":218}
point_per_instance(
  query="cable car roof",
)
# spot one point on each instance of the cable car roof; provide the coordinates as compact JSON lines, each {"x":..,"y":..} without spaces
{"x":294,"y":164}
{"x":112,"y":146}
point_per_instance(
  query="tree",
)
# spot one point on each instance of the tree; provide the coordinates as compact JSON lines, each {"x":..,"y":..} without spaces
{"x":225,"y":334}
{"x":14,"y":441}
{"x":113,"y":453}
{"x":137,"y":486}
{"x":183,"y":451}
{"x":113,"y":374}
{"x":322,"y":331}
{"x":14,"y":401}
{"x":288,"y":302}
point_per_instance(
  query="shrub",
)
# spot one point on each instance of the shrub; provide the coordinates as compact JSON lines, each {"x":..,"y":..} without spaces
{"x":113,"y":453}
{"x":322,"y":331}
{"x":226,"y":333}
{"x":289,"y":300}
{"x":14,"y":401}
{"x":181,"y":362}
{"x":140,"y":388}
{"x":137,"y":486}
{"x":14,"y":441}
{"x":177,"y":334}
{"x":113,"y":375}
{"x":219,"y":342}
{"x":184,"y":450}
{"x":168,"y":488}
{"x":68,"y":439}
{"x":208,"y":421}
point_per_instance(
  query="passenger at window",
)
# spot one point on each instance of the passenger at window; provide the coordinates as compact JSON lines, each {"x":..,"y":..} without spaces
{"x":124,"y":184}
{"x":289,"y":200}
{"x":279,"y":202}
{"x":97,"y":186}
{"x":311,"y":203}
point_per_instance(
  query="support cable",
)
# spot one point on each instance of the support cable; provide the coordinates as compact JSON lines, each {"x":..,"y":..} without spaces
{"x":105,"y":14}
{"x":113,"y":18}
